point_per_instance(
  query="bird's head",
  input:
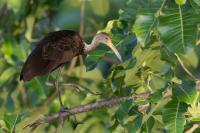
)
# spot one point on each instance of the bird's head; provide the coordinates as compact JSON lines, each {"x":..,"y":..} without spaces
{"x":104,"y":38}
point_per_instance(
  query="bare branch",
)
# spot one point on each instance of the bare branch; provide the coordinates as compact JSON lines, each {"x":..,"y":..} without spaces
{"x":193,"y":128}
{"x":82,"y":13}
{"x":85,"y":108}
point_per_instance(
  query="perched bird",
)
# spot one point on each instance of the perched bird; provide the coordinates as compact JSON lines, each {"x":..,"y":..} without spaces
{"x":56,"y":48}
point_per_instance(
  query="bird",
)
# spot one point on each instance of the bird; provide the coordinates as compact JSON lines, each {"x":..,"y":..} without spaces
{"x":58,"y":47}
{"x":55,"y":49}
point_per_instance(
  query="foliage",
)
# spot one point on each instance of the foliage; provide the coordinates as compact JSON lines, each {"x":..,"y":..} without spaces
{"x":159,"y":43}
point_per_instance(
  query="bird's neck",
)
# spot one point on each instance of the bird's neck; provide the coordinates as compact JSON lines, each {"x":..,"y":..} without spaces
{"x":90,"y":47}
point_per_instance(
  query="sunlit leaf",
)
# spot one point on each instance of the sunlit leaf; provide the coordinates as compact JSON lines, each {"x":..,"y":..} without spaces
{"x":8,"y":50}
{"x":15,"y":5}
{"x":194,"y":112}
{"x":180,"y":2}
{"x":100,"y":7}
{"x":7,"y":74}
{"x":30,"y":23}
{"x":20,"y":52}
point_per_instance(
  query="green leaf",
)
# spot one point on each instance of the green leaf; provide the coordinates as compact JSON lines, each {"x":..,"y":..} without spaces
{"x":148,"y":125}
{"x":181,"y":2}
{"x":173,"y":116}
{"x":195,"y":5}
{"x":100,"y":7}
{"x":197,"y":2}
{"x":54,"y":107}
{"x":126,"y":46}
{"x":186,"y":92}
{"x":134,"y":110}
{"x":127,"y":14}
{"x":7,"y":74}
{"x":117,"y":78}
{"x":123,"y":111}
{"x":8,"y":50}
{"x":157,"y":96}
{"x":144,"y":24}
{"x":93,"y":58}
{"x":36,"y":91}
{"x":168,"y":56}
{"x":10,"y":103}
{"x":178,"y":29}
{"x":146,"y":57}
{"x":136,"y":125}
{"x":11,"y":121}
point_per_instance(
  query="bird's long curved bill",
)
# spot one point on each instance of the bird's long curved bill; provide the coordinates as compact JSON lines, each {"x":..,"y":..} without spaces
{"x":113,"y":48}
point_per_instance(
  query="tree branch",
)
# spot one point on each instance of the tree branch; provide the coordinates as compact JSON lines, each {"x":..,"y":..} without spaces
{"x":84,"y":108}
{"x":193,"y":128}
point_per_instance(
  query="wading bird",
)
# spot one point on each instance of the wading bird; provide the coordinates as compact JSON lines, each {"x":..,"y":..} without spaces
{"x":56,"y":48}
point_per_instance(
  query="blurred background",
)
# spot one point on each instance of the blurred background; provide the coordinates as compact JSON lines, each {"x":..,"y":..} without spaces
{"x":22,"y":24}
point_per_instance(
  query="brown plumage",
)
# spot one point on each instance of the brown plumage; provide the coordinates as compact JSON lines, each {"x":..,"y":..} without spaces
{"x":55,"y":49}
{"x":58,"y":47}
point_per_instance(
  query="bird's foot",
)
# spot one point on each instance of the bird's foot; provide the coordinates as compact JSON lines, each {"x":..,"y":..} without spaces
{"x":61,"y":118}
{"x":75,"y":122}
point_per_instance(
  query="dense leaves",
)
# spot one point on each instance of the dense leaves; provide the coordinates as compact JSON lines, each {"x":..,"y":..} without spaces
{"x":178,"y":29}
{"x":159,"y":43}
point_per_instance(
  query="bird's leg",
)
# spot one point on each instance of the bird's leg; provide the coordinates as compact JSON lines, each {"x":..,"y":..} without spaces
{"x":58,"y":89}
{"x":62,"y":108}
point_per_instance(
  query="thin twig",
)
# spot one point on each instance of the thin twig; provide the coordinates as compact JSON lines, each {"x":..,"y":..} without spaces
{"x":81,"y":66}
{"x":185,"y":68}
{"x":74,"y":85}
{"x":61,"y":124}
{"x":82,"y":14}
{"x":85,"y":108}
{"x":193,"y":128}
{"x":58,"y":87}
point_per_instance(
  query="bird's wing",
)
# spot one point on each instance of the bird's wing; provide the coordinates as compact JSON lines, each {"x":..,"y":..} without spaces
{"x":57,"y":51}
